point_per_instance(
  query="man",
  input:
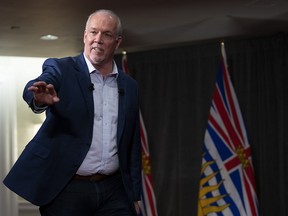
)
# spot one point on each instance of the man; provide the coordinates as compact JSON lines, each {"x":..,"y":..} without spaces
{"x":85,"y":160}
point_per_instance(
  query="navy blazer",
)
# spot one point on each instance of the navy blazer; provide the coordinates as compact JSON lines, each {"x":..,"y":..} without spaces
{"x":55,"y":153}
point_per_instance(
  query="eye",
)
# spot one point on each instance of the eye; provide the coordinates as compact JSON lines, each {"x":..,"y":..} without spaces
{"x":108,"y":35}
{"x":93,"y":32}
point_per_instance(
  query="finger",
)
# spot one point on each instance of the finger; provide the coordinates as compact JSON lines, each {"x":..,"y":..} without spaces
{"x":32,"y":88}
{"x":41,"y":86}
{"x":40,"y":83}
{"x":53,"y":92}
{"x":51,"y":89}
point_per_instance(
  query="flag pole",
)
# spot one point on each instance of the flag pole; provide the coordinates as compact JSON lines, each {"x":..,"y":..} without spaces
{"x":224,"y":54}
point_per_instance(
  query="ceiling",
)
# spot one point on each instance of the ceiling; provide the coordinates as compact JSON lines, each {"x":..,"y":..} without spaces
{"x":147,"y":24}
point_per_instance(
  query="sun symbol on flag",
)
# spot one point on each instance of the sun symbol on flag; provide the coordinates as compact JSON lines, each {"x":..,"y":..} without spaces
{"x":146,"y":164}
{"x":205,"y":204}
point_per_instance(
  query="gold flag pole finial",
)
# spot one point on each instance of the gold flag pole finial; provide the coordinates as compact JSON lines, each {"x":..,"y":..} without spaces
{"x":224,"y":53}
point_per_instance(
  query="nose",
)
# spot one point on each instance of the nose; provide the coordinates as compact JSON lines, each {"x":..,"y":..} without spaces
{"x":98,"y":38}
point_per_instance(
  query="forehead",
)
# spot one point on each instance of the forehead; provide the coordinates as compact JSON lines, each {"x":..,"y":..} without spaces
{"x":103,"y":21}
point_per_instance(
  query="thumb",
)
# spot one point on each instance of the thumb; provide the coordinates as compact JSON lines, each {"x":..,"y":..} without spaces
{"x":55,"y":99}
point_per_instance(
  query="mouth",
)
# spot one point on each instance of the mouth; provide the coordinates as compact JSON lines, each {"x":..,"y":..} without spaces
{"x":97,"y":49}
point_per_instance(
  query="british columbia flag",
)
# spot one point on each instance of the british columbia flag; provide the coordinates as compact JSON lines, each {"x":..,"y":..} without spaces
{"x":148,"y":201}
{"x":227,"y":186}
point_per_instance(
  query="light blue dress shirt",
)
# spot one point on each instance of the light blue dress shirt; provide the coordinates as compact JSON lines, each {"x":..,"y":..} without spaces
{"x":102,"y":156}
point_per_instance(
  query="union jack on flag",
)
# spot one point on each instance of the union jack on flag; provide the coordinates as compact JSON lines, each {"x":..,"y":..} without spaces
{"x":148,"y":201}
{"x":227,"y":185}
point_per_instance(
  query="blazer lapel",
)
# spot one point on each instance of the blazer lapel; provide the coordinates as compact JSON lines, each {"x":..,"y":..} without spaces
{"x":121,"y":105}
{"x":84,"y":82}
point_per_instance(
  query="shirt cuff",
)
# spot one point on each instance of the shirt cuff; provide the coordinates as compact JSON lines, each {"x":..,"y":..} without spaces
{"x":38,"y":109}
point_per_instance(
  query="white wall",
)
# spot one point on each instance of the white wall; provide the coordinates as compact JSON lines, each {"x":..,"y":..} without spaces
{"x":17,"y":125}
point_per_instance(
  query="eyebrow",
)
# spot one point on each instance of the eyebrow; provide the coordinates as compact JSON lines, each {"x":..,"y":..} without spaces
{"x":93,"y":28}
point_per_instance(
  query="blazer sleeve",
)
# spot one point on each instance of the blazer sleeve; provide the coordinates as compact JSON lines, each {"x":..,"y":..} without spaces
{"x":50,"y":75}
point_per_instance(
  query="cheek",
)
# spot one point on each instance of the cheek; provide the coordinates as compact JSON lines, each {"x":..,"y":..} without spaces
{"x":86,"y":46}
{"x":111,"y":47}
{"x":88,"y":41}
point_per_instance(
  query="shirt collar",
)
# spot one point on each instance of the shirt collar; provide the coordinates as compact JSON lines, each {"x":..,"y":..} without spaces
{"x":91,"y":68}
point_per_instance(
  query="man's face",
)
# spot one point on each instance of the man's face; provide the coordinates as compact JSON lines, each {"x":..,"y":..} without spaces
{"x":101,"y":39}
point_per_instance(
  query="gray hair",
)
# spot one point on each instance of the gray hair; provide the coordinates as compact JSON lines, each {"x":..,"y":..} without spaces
{"x":119,"y":29}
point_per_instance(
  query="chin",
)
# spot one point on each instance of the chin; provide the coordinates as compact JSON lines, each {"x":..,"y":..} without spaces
{"x":95,"y":60}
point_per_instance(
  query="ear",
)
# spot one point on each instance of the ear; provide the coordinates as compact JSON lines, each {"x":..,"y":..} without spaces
{"x":84,"y":36}
{"x":118,"y":41}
